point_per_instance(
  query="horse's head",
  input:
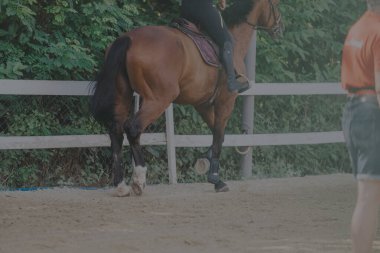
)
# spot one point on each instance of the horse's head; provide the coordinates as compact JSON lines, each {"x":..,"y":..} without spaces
{"x":268,"y":18}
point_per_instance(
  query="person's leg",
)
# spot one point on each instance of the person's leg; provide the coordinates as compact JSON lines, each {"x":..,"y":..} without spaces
{"x":365,"y":216}
{"x":361,"y":124}
{"x":218,"y":31}
{"x":210,"y":19}
{"x":203,"y":12}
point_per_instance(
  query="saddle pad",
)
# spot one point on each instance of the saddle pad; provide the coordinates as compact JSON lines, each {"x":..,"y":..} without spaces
{"x":207,"y":48}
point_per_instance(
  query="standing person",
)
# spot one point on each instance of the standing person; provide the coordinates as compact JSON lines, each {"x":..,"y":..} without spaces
{"x":361,"y":121}
{"x":204,"y":13}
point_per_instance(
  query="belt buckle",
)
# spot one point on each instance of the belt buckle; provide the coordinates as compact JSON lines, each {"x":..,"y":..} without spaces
{"x":368,"y":98}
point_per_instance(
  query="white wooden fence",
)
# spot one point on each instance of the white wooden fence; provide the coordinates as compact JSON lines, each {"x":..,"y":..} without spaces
{"x":81,"y":88}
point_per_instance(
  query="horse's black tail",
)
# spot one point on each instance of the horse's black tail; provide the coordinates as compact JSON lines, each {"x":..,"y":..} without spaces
{"x":103,"y":100}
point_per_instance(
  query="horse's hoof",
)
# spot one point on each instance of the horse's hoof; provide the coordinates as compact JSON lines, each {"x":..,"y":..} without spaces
{"x":221,"y":187}
{"x":137,"y":189}
{"x":122,"y":190}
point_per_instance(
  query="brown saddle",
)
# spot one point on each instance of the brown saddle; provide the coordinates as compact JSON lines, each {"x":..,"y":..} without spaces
{"x":207,"y":48}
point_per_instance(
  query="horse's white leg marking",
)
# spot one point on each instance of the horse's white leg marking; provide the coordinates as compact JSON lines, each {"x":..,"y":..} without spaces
{"x":139,"y":179}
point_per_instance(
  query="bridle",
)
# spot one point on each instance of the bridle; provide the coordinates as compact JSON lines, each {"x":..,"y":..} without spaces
{"x":276,"y":28}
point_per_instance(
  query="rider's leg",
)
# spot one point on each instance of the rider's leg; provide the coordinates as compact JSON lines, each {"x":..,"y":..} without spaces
{"x":227,"y":58}
{"x":210,"y":19}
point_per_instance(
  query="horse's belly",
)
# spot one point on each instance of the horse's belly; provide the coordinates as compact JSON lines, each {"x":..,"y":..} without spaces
{"x":194,"y":96}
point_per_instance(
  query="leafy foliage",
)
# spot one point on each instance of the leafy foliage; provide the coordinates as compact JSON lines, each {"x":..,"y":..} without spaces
{"x":66,"y":39}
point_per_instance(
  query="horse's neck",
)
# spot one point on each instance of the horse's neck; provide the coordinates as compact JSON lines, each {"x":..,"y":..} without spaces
{"x":242,"y":34}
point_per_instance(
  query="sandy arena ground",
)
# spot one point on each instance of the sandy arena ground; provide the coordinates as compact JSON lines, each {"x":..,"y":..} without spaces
{"x":308,"y":214}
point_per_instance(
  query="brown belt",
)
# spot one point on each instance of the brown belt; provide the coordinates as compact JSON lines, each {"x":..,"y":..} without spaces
{"x":352,"y":89}
{"x":369,"y":98}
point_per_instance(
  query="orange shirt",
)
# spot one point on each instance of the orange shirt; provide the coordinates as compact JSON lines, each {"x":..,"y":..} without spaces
{"x":361,"y":53}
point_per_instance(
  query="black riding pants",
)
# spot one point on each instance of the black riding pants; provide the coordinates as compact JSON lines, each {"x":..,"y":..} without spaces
{"x":203,"y":13}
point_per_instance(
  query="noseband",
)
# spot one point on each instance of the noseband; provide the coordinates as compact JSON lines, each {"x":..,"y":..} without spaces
{"x":276,"y":28}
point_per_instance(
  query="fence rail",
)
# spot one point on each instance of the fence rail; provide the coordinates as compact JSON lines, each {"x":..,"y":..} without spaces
{"x":82,"y":88}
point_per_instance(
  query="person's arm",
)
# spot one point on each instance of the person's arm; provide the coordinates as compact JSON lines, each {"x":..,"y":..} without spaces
{"x":376,"y":57}
{"x":377,"y":85}
{"x":222,"y":5}
{"x":376,"y":64}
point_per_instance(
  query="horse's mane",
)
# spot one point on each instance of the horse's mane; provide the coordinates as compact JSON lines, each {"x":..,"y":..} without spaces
{"x":237,"y":11}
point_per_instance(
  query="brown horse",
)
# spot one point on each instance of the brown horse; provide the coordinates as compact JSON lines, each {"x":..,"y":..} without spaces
{"x":163,"y":65}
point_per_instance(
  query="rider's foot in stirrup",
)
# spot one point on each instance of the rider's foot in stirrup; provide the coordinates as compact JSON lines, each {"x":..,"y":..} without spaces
{"x":236,"y":86}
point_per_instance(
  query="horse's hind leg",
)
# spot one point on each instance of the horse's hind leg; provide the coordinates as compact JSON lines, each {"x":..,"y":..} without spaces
{"x":116,"y":135}
{"x":123,"y":103}
{"x":133,"y":132}
{"x":149,"y":111}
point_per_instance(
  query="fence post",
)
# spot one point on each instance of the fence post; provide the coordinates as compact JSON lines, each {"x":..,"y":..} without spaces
{"x":246,"y":163}
{"x":170,"y":144}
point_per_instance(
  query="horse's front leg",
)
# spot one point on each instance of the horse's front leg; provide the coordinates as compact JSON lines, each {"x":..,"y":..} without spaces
{"x":213,"y":173}
{"x":216,"y":117}
{"x":116,"y":135}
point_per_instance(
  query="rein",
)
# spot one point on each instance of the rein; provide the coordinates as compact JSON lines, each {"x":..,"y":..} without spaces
{"x":275,"y":27}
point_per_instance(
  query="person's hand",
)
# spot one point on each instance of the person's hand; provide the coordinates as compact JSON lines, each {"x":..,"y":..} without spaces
{"x":222,"y":5}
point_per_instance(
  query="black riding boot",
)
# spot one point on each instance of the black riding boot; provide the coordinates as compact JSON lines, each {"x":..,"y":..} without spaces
{"x":233,"y":84}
